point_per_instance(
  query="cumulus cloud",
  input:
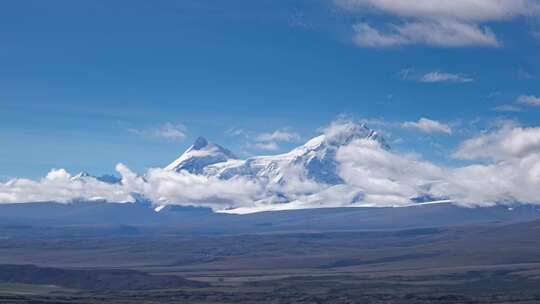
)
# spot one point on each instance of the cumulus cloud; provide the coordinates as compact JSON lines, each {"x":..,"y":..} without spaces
{"x":391,"y":179}
{"x":167,"y":131}
{"x":384,"y":177}
{"x":529,"y":100}
{"x":506,"y":182}
{"x":429,"y":126}
{"x":59,"y":186}
{"x":168,"y":187}
{"x":445,"y":77}
{"x":507,"y":142}
{"x":455,"y":23}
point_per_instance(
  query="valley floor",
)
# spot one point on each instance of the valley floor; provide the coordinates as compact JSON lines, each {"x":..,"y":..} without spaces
{"x":483,"y":264}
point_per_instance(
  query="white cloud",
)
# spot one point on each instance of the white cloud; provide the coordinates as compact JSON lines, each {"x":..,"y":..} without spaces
{"x":367,"y":36}
{"x":429,"y":126}
{"x":505,"y":143}
{"x":524,"y":74}
{"x":511,"y":181}
{"x":386,"y":178}
{"x":444,"y":33}
{"x":168,"y":187}
{"x":268,"y":146}
{"x":406,"y":74}
{"x":466,"y":10}
{"x":445,"y":77}
{"x":529,"y":99}
{"x":456,"y":23}
{"x":58,"y":186}
{"x":236,"y":131}
{"x":271,"y":141}
{"x":507,"y":108}
{"x":167,"y":131}
{"x":434,"y":76}
{"x":278,"y":135}
{"x":390,"y":179}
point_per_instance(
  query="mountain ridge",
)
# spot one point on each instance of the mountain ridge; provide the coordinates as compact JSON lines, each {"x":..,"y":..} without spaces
{"x":317,"y":157}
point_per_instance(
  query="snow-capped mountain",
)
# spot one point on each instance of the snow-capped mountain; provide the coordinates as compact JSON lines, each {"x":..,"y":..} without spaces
{"x":200,"y":155}
{"x":315,"y":160}
{"x":107,"y":178}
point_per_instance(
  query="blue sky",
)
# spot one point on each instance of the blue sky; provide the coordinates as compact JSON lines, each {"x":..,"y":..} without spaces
{"x":88,"y":84}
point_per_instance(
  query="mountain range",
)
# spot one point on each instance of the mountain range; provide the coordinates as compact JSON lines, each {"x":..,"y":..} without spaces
{"x":310,"y":171}
{"x":315,"y":162}
{"x":316,"y":158}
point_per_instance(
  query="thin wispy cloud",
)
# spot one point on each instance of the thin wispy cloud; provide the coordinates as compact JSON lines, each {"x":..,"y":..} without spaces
{"x":236,"y":131}
{"x":271,"y":141}
{"x":278,"y":135}
{"x":428,"y":126}
{"x":434,"y":76}
{"x":367,"y":36}
{"x":529,"y":100}
{"x":516,"y":107}
{"x":268,"y":146}
{"x":524,"y":74}
{"x":267,"y":141}
{"x":406,"y":74}
{"x":167,"y":131}
{"x":297,"y":19}
{"x":507,"y":108}
{"x":433,"y":33}
{"x":458,"y":23}
{"x":437,"y":76}
{"x":494,"y":94}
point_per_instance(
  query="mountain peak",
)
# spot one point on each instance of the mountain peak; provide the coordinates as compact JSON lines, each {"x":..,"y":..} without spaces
{"x":81,"y":175}
{"x":199,"y":155}
{"x":340,"y":134}
{"x":199,"y":143}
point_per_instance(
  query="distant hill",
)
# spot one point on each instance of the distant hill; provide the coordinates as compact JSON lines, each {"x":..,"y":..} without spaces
{"x":203,"y":220}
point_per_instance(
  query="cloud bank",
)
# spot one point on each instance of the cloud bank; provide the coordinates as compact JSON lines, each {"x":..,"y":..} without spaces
{"x":60,"y":186}
{"x":507,"y":143}
{"x":505,"y":170}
